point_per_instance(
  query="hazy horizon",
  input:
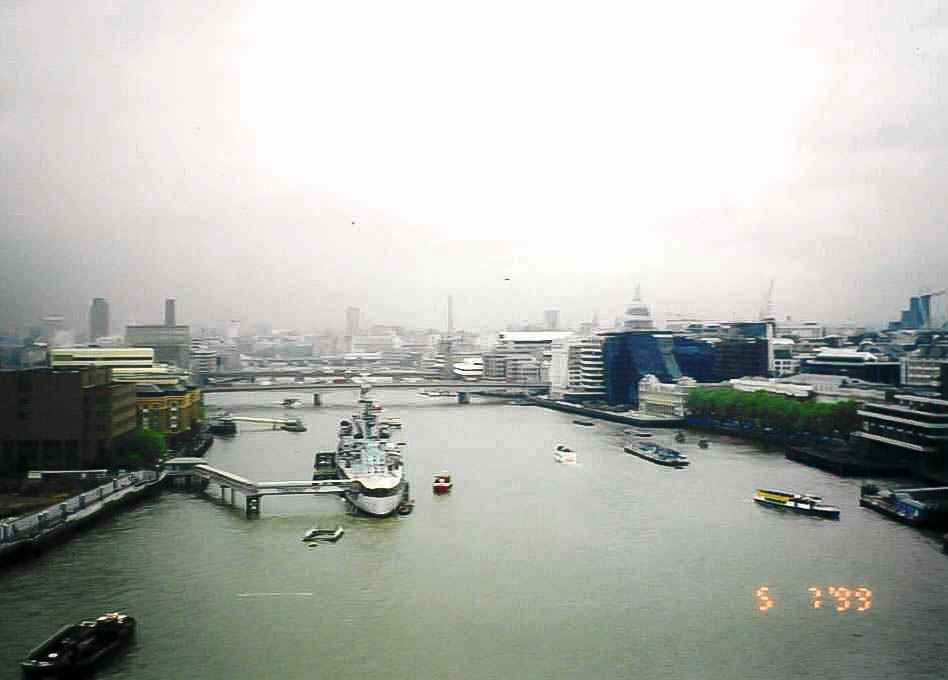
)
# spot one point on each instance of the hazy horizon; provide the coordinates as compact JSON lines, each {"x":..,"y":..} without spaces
{"x":279,"y":163}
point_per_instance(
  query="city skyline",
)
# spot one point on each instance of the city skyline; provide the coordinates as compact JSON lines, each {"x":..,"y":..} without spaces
{"x":246,"y":170}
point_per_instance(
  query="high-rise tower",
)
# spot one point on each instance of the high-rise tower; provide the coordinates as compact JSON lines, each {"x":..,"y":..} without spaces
{"x":169,"y":312}
{"x":98,"y":319}
{"x":352,"y":321}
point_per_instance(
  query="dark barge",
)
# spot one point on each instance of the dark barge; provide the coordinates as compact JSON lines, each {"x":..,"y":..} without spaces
{"x":659,"y":455}
{"x":80,"y":647}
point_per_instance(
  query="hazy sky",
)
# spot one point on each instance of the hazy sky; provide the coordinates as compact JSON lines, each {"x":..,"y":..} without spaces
{"x":219,"y":153}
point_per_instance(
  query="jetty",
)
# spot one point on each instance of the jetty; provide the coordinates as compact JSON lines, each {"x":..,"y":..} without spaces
{"x":193,"y":472}
{"x":275,"y":423}
{"x":624,"y":417}
{"x":917,"y":507}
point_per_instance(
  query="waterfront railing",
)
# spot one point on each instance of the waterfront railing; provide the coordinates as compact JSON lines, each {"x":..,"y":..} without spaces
{"x":32,"y":525}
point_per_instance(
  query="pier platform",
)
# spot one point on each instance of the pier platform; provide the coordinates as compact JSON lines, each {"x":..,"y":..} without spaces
{"x":625,"y":417}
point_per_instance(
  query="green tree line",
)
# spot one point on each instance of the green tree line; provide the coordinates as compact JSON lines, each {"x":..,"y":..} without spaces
{"x":765,"y":409}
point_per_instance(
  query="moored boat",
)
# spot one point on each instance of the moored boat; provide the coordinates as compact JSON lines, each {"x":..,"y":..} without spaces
{"x":442,"y":483}
{"x":293,"y":426}
{"x":586,"y":423}
{"x":80,"y":647}
{"x":222,"y":427}
{"x":564,"y":454}
{"x":808,"y":504}
{"x":657,"y":454}
{"x":638,"y":433}
{"x":702,"y":443}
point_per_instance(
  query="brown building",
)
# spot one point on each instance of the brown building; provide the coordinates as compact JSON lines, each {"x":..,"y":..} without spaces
{"x":168,"y":409}
{"x":61,"y":419}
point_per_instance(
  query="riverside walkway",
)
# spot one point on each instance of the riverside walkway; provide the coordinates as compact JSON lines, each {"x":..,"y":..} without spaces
{"x":29,"y":533}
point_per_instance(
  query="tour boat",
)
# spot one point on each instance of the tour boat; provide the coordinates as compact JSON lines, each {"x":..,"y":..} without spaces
{"x":330,"y":535}
{"x":657,"y":454}
{"x":807,"y":504}
{"x":442,"y":483}
{"x":564,"y":454}
{"x":81,"y":646}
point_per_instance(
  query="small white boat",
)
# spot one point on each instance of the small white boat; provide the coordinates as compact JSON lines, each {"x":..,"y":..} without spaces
{"x":291,"y":403}
{"x":330,"y":535}
{"x":564,"y":454}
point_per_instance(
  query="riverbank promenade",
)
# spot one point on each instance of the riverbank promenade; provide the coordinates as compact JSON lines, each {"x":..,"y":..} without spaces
{"x":28,"y":534}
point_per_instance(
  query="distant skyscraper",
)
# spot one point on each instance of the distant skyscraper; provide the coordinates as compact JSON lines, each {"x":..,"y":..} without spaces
{"x":169,"y":312}
{"x":352,"y":321}
{"x":98,"y":319}
{"x":52,"y":325}
{"x":552,"y":319}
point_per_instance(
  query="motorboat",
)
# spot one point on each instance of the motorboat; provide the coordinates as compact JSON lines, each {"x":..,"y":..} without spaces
{"x":291,"y":402}
{"x":585,"y":423}
{"x":638,"y":433}
{"x":442,"y":483}
{"x":80,"y":647}
{"x":406,"y":507}
{"x":805,"y":503}
{"x":293,"y":426}
{"x":327,"y":535}
{"x":680,"y":438}
{"x":702,"y":443}
{"x":564,"y":454}
{"x":222,"y":426}
{"x":658,"y":454}
{"x":393,"y":422}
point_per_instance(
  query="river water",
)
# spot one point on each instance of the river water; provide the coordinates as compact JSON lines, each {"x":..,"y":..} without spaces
{"x":613,"y":568}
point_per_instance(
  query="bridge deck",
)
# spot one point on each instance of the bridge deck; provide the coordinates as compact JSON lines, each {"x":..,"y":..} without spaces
{"x":249,"y":487}
{"x":332,"y":387}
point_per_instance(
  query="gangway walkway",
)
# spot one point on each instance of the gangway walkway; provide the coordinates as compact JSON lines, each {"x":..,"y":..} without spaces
{"x":275,"y":422}
{"x":254,"y":491}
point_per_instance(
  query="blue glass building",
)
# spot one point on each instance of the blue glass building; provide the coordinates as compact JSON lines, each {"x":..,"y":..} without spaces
{"x":628,"y":356}
{"x":695,"y":358}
